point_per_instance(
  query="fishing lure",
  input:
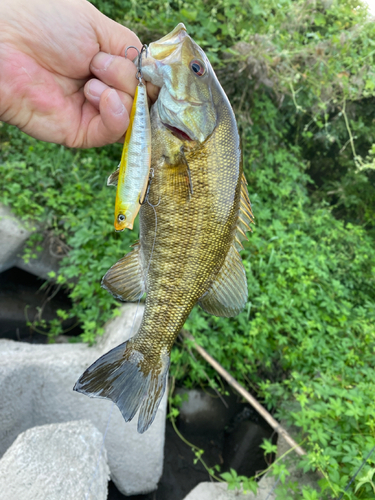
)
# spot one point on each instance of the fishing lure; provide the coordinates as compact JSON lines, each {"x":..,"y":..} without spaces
{"x":132,"y":176}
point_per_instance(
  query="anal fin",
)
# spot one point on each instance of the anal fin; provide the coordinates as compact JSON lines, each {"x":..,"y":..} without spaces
{"x":227,"y":295}
{"x":125,"y":279}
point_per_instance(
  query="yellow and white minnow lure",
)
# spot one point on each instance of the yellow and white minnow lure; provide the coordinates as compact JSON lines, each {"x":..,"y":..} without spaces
{"x":133,"y":173}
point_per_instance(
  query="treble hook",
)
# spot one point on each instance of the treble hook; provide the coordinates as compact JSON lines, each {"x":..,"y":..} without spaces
{"x":139,"y":74}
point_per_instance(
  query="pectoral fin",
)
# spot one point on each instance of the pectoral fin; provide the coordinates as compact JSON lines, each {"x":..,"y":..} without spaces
{"x":125,"y":279}
{"x":227,"y":295}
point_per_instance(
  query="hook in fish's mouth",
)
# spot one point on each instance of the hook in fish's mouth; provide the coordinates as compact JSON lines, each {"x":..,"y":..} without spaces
{"x":178,"y":133}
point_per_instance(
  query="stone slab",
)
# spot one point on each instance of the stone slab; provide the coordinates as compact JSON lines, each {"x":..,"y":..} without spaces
{"x":36,"y":388}
{"x":56,"y":462}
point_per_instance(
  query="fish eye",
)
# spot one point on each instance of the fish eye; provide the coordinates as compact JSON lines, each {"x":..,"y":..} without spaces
{"x":121,"y":218}
{"x":197,"y":67}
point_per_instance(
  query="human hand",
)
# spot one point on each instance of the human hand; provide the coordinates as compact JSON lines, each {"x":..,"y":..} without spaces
{"x":49,"y":52}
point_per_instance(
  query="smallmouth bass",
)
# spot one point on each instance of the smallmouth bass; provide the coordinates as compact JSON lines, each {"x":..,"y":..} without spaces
{"x":190,"y":254}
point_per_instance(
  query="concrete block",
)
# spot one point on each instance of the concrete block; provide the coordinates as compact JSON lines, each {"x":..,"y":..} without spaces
{"x":219,"y":491}
{"x":56,"y":462}
{"x":36,"y":388}
{"x":13,"y":235}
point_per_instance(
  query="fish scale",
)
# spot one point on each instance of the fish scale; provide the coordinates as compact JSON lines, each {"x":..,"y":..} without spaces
{"x":191,"y":228}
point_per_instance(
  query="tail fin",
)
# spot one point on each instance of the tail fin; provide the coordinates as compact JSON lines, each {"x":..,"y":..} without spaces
{"x":130,"y":380}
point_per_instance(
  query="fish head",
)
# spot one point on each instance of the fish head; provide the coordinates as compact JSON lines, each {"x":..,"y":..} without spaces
{"x":181,"y":68}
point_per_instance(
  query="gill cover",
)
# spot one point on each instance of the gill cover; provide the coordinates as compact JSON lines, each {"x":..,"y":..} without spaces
{"x":185,"y":100}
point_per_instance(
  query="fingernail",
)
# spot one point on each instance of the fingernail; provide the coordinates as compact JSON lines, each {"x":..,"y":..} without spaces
{"x":96,"y":88}
{"x":115,"y":103}
{"x":102,"y":60}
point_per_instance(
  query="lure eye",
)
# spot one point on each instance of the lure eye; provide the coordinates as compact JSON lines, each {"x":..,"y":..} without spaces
{"x":197,"y":67}
{"x":121,"y":218}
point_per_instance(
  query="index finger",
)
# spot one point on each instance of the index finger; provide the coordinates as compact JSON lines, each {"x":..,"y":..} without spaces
{"x":116,"y":71}
{"x":120,"y":73}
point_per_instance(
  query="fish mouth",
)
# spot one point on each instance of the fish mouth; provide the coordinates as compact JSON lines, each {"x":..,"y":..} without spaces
{"x":183,"y":136}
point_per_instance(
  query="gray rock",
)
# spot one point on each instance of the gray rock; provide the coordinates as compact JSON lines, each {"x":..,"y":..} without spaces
{"x":56,"y":462}
{"x":13,"y":235}
{"x":36,"y":388}
{"x":219,"y":491}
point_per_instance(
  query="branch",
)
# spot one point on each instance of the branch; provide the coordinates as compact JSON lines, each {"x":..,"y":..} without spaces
{"x":254,"y":403}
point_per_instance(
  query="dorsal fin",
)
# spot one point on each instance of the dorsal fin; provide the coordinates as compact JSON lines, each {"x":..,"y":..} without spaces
{"x":227,"y":295}
{"x":125,"y":279}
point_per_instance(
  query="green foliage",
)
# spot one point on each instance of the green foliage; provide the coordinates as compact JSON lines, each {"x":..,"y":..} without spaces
{"x":300,"y":77}
{"x":366,"y":479}
{"x":236,"y":481}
